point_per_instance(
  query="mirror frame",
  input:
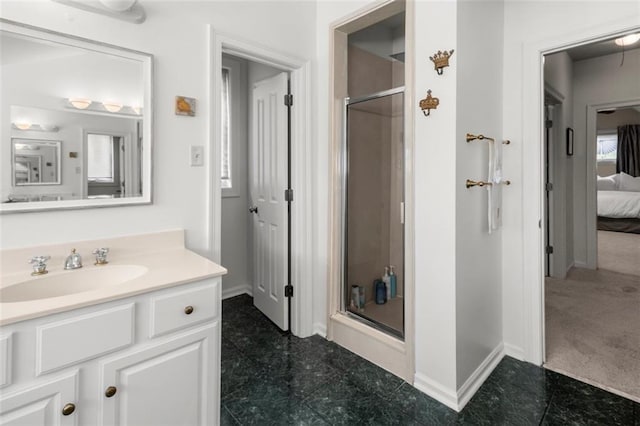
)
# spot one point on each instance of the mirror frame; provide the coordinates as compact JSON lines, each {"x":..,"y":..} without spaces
{"x":146,"y":60}
{"x":58,"y":145}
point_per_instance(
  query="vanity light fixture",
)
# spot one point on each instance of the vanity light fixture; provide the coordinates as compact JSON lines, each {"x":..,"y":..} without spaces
{"x":22,"y":126}
{"x":35,"y":127}
{"x":112,"y":106}
{"x":628,"y":40}
{"x":80,"y":103}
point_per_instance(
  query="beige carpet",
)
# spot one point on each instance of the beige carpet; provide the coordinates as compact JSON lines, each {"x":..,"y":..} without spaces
{"x":593,"y":329}
{"x":620,"y":252}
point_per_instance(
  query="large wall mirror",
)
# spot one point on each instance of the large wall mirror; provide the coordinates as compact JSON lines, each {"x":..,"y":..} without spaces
{"x":76,"y":122}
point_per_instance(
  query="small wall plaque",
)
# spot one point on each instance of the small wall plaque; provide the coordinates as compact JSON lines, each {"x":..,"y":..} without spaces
{"x":185,"y":106}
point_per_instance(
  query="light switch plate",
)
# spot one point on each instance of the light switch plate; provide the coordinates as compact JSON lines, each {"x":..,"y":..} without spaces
{"x":197,"y":155}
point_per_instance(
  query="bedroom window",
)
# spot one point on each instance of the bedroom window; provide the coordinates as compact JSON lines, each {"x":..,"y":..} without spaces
{"x":607,"y":145}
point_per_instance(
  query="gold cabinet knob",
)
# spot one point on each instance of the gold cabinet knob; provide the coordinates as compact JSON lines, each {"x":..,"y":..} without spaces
{"x":68,"y":409}
{"x":111,"y":390}
{"x":188,"y":310}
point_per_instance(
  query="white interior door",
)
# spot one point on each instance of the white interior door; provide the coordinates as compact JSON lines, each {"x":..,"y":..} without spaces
{"x":267,"y":183}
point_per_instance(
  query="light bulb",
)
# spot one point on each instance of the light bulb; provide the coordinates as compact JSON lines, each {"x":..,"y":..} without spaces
{"x":112,"y":106}
{"x":80,"y":103}
{"x":628,"y":39}
{"x":23,"y":125}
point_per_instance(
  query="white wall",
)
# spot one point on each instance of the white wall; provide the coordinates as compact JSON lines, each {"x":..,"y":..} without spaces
{"x":176,"y":33}
{"x":478,"y":60}
{"x":530,"y":26}
{"x":558,"y":74}
{"x":596,"y":81}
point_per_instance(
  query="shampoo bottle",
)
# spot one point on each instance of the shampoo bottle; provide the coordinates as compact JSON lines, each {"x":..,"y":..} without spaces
{"x":394,"y":283}
{"x":387,"y":281}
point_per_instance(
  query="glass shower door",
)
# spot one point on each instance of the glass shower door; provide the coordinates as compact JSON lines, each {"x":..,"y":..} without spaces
{"x":374,"y":210}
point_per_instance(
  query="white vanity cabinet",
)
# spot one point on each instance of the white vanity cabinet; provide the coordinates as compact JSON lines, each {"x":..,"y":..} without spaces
{"x":150,"y":359}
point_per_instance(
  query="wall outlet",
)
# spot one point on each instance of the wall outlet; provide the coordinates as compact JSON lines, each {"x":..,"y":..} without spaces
{"x":197,"y":155}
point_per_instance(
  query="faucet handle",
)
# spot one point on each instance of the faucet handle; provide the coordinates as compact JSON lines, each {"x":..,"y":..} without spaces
{"x":39,"y":264}
{"x":101,"y":255}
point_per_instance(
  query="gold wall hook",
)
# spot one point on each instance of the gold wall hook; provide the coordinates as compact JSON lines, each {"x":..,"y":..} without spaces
{"x":441,"y":60}
{"x":429,"y":103}
{"x":479,"y":183}
{"x":471,"y":137}
{"x":470,"y":183}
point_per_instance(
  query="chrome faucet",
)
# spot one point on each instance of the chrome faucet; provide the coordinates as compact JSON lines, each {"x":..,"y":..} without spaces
{"x":39,"y":264}
{"x":101,"y":255}
{"x":74,"y":261}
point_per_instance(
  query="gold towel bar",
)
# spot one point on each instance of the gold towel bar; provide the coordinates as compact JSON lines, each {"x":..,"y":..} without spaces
{"x":471,"y":137}
{"x":480,"y":183}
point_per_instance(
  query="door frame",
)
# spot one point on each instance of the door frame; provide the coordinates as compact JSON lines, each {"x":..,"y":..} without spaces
{"x":301,"y":321}
{"x":533,"y":330}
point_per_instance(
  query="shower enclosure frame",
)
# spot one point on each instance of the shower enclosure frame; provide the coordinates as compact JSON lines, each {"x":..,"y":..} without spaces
{"x":382,"y":349}
{"x":344,"y":165}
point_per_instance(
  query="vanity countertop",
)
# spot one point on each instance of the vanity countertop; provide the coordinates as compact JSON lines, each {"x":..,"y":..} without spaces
{"x":167,"y":261}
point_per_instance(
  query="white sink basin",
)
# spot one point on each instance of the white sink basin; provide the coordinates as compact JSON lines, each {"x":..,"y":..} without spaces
{"x":70,"y":282}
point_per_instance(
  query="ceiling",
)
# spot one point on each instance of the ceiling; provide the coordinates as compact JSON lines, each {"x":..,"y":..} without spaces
{"x":601,"y":48}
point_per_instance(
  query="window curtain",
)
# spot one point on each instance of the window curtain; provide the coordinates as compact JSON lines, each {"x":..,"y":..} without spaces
{"x":628,"y":160}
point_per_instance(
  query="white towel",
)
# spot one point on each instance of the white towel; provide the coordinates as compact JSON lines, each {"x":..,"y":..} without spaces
{"x":495,"y":189}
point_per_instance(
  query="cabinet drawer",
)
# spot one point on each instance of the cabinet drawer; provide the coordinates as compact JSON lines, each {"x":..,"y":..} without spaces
{"x":5,"y":360}
{"x":84,"y":337}
{"x":180,"y":309}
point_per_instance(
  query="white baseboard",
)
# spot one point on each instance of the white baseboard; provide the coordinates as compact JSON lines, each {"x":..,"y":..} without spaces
{"x":456,"y":400}
{"x":477,"y":378}
{"x":580,"y":264}
{"x":237,"y":291}
{"x":320,"y":329}
{"x":436,"y":391}
{"x":571,"y":265}
{"x":514,"y":351}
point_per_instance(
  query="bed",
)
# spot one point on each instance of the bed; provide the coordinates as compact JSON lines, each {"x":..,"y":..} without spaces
{"x":618,"y":208}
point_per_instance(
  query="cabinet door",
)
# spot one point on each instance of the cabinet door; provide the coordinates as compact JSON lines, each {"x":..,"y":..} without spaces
{"x":42,"y":404}
{"x":173,"y":382}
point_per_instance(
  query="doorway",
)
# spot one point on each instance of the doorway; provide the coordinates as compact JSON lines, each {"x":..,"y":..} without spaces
{"x":255,"y":180}
{"x":300,"y":322}
{"x":589,"y":306}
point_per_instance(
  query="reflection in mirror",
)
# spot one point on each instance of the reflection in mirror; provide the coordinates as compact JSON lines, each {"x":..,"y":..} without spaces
{"x":36,"y":162}
{"x":75,"y":122}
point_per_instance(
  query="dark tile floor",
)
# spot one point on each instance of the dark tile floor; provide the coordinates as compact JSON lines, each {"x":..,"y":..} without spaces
{"x":271,"y":378}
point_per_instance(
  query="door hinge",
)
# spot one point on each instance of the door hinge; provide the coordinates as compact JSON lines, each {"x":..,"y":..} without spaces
{"x":288,"y":290}
{"x":548,"y":124}
{"x":288,"y":99}
{"x":549,"y":186}
{"x":548,"y":249}
{"x":288,"y":195}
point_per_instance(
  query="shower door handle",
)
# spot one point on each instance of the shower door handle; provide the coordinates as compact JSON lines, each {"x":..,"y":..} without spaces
{"x":253,"y":209}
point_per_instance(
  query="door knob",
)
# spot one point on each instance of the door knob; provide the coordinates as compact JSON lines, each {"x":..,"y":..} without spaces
{"x":111,"y":390}
{"x":253,"y":209}
{"x":68,"y":409}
